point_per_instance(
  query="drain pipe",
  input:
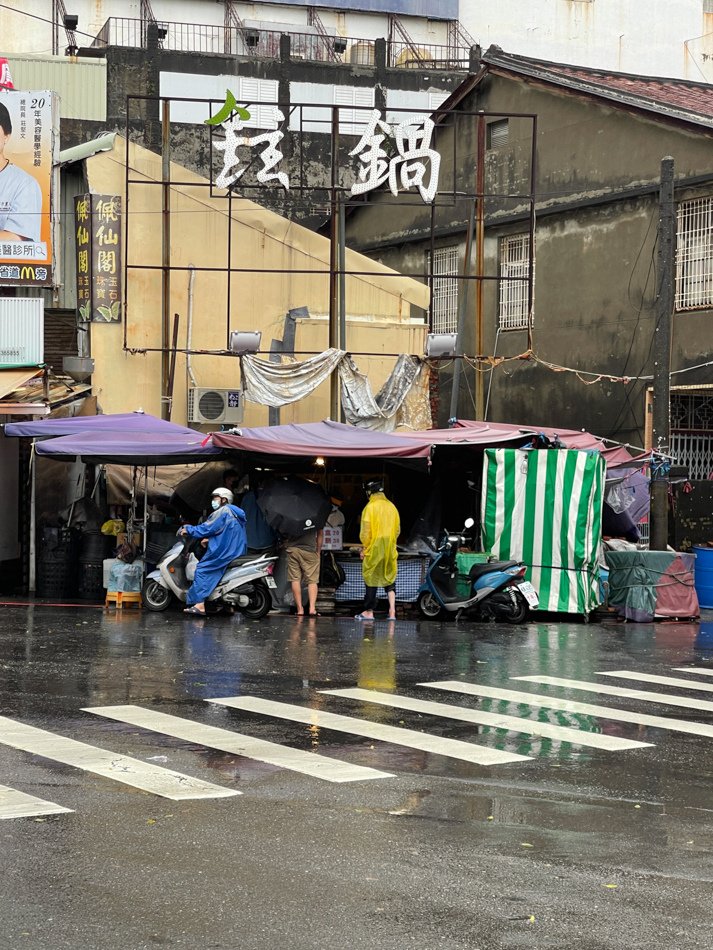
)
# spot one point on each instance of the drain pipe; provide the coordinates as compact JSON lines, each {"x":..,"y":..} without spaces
{"x":189,"y":329}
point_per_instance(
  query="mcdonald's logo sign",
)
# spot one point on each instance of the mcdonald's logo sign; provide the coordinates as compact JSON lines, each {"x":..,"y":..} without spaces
{"x":27,"y":273}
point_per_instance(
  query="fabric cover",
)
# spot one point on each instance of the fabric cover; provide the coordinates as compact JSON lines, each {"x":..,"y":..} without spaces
{"x":380,"y":527}
{"x":544,"y":507}
{"x":164,"y":447}
{"x":644,"y":585}
{"x":109,"y":422}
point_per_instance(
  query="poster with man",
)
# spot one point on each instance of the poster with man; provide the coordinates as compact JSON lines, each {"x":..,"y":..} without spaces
{"x":28,"y":138}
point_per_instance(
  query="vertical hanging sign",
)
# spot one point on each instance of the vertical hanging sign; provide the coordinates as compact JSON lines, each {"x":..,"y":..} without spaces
{"x":98,"y":241}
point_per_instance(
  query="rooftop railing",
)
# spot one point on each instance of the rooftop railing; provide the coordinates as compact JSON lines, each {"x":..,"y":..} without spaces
{"x":265,"y":44}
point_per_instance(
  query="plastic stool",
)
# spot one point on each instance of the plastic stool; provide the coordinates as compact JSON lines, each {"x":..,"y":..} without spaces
{"x":119,"y":598}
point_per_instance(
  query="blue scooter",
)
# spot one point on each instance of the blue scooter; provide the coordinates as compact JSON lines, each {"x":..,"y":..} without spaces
{"x":498,"y":589}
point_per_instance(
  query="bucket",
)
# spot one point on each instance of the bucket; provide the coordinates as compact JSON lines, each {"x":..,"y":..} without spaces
{"x":704,"y":576}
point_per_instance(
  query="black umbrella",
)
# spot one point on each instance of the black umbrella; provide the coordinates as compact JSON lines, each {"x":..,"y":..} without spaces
{"x":292,"y":505}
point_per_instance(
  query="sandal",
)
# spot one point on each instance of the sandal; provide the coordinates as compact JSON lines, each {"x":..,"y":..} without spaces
{"x":362,"y":617}
{"x":194,"y":611}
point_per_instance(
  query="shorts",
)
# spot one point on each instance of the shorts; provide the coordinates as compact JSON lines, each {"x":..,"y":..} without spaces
{"x":302,"y":566}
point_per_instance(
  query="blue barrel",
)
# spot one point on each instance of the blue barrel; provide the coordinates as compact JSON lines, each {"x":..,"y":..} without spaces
{"x":704,"y":576}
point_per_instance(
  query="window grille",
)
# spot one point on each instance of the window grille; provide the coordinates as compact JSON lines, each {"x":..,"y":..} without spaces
{"x":692,"y":432}
{"x":694,"y":254}
{"x":444,"y":302}
{"x":498,"y":133}
{"x":514,"y":271}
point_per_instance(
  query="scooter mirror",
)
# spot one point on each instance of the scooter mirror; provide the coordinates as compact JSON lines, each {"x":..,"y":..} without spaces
{"x":469,"y":522}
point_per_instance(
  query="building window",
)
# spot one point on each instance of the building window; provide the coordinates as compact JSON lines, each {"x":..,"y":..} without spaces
{"x":514,"y":283}
{"x":692,"y":432}
{"x":498,"y":133}
{"x":694,"y":254}
{"x":444,"y":301}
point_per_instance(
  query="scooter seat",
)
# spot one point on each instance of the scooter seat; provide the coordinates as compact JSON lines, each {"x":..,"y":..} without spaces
{"x":244,"y":559}
{"x":477,"y":570}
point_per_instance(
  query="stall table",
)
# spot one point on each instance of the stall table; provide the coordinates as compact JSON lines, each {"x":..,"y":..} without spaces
{"x":411,"y":574}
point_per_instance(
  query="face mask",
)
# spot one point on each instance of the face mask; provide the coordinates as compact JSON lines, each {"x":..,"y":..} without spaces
{"x":215,"y":504}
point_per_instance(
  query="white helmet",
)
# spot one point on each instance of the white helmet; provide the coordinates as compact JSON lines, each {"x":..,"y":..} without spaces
{"x":224,"y":493}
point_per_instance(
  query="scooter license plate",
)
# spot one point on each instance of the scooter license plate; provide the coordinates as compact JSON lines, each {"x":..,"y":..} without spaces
{"x":529,"y":593}
{"x":270,"y":582}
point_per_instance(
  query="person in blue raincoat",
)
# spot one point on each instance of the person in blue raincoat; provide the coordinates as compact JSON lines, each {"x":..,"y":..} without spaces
{"x":226,"y":538}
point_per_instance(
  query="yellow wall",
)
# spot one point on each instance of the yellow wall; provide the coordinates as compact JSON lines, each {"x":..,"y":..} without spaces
{"x":378,"y":305}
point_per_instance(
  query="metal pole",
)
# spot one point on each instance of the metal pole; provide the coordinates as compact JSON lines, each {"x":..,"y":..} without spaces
{"x":333,"y":257}
{"x":342,"y":280}
{"x":462,"y":307}
{"x":32,"y":553}
{"x":662,"y":358}
{"x":165,"y":255}
{"x":480,"y":265}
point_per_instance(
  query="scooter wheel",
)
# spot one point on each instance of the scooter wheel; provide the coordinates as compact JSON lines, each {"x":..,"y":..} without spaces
{"x":260,"y":603}
{"x":517,"y":612}
{"x":154,"y":596}
{"x":428,"y":606}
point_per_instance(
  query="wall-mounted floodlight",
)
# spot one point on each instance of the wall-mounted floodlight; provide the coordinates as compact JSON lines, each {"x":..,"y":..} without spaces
{"x":245,"y":341}
{"x":161,"y":32}
{"x":441,"y":345}
{"x":252,"y":38}
{"x":339,"y":45}
{"x":70,"y":21}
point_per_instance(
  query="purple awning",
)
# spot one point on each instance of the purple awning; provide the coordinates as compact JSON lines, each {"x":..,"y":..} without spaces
{"x":161,"y":447}
{"x":116,"y":422}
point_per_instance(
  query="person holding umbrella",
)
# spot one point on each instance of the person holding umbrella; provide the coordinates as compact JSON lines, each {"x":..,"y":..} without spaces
{"x":303,"y":563}
{"x":380,"y":527}
{"x":297,"y":509}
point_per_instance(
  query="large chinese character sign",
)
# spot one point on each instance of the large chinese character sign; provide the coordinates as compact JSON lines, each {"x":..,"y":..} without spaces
{"x":98,"y":241}
{"x":27,"y":142}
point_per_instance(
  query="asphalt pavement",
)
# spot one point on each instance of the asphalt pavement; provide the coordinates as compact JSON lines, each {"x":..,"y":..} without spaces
{"x":319,"y":783}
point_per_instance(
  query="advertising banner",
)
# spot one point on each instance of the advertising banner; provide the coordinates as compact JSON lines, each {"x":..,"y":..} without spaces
{"x":28,"y":139}
{"x":98,"y":241}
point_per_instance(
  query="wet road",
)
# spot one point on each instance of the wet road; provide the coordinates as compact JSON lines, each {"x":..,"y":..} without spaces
{"x":578,"y":815}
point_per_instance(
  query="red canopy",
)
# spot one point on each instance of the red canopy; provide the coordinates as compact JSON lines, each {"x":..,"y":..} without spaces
{"x":570,"y":438}
{"x":336,"y":440}
{"x":327,"y":439}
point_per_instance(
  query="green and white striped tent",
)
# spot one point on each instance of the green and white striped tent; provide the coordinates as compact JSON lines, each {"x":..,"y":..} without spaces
{"x":544,"y":507}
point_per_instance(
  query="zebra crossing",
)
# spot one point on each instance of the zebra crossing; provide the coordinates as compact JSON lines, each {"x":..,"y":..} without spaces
{"x":502,"y":710}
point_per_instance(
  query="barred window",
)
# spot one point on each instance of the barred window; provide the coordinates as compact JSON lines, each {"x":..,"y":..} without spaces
{"x":514,"y":271}
{"x":444,"y":304}
{"x":694,"y":254}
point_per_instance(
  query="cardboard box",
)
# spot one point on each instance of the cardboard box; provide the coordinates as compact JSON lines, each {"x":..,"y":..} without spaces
{"x":135,"y":539}
{"x":331,"y":539}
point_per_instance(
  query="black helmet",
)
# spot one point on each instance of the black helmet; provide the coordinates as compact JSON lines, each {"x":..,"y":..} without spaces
{"x":375,"y":485}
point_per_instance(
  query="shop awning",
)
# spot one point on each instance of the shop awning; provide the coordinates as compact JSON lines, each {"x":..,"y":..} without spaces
{"x":326,"y":439}
{"x":74,"y":425}
{"x":571,"y":438}
{"x":131,"y":448}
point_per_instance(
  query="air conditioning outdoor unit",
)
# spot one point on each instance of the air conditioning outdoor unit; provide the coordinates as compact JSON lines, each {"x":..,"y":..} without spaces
{"x":215,"y":406}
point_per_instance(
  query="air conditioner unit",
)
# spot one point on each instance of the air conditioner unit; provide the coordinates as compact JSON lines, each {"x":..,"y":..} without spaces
{"x":215,"y":406}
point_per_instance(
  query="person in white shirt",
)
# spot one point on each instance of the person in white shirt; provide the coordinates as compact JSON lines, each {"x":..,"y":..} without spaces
{"x":20,"y":194}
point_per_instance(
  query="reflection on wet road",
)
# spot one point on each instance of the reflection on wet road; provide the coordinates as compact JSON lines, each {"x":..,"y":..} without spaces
{"x":481,"y":775}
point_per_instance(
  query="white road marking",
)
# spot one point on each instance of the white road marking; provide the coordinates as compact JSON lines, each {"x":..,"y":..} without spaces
{"x":121,"y":768}
{"x":665,"y":699}
{"x":661,"y":680}
{"x":571,"y":705}
{"x":454,"y":748}
{"x":14,"y":804}
{"x":595,"y":740}
{"x":703,"y":670}
{"x":309,"y":763}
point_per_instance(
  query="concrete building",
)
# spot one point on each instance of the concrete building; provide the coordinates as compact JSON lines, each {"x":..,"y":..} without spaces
{"x":600,"y":138}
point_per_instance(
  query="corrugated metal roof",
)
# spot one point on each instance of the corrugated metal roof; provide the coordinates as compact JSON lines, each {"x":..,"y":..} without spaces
{"x":80,"y":83}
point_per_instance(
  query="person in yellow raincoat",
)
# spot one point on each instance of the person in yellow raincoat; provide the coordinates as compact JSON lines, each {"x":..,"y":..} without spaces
{"x":380,"y":527}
